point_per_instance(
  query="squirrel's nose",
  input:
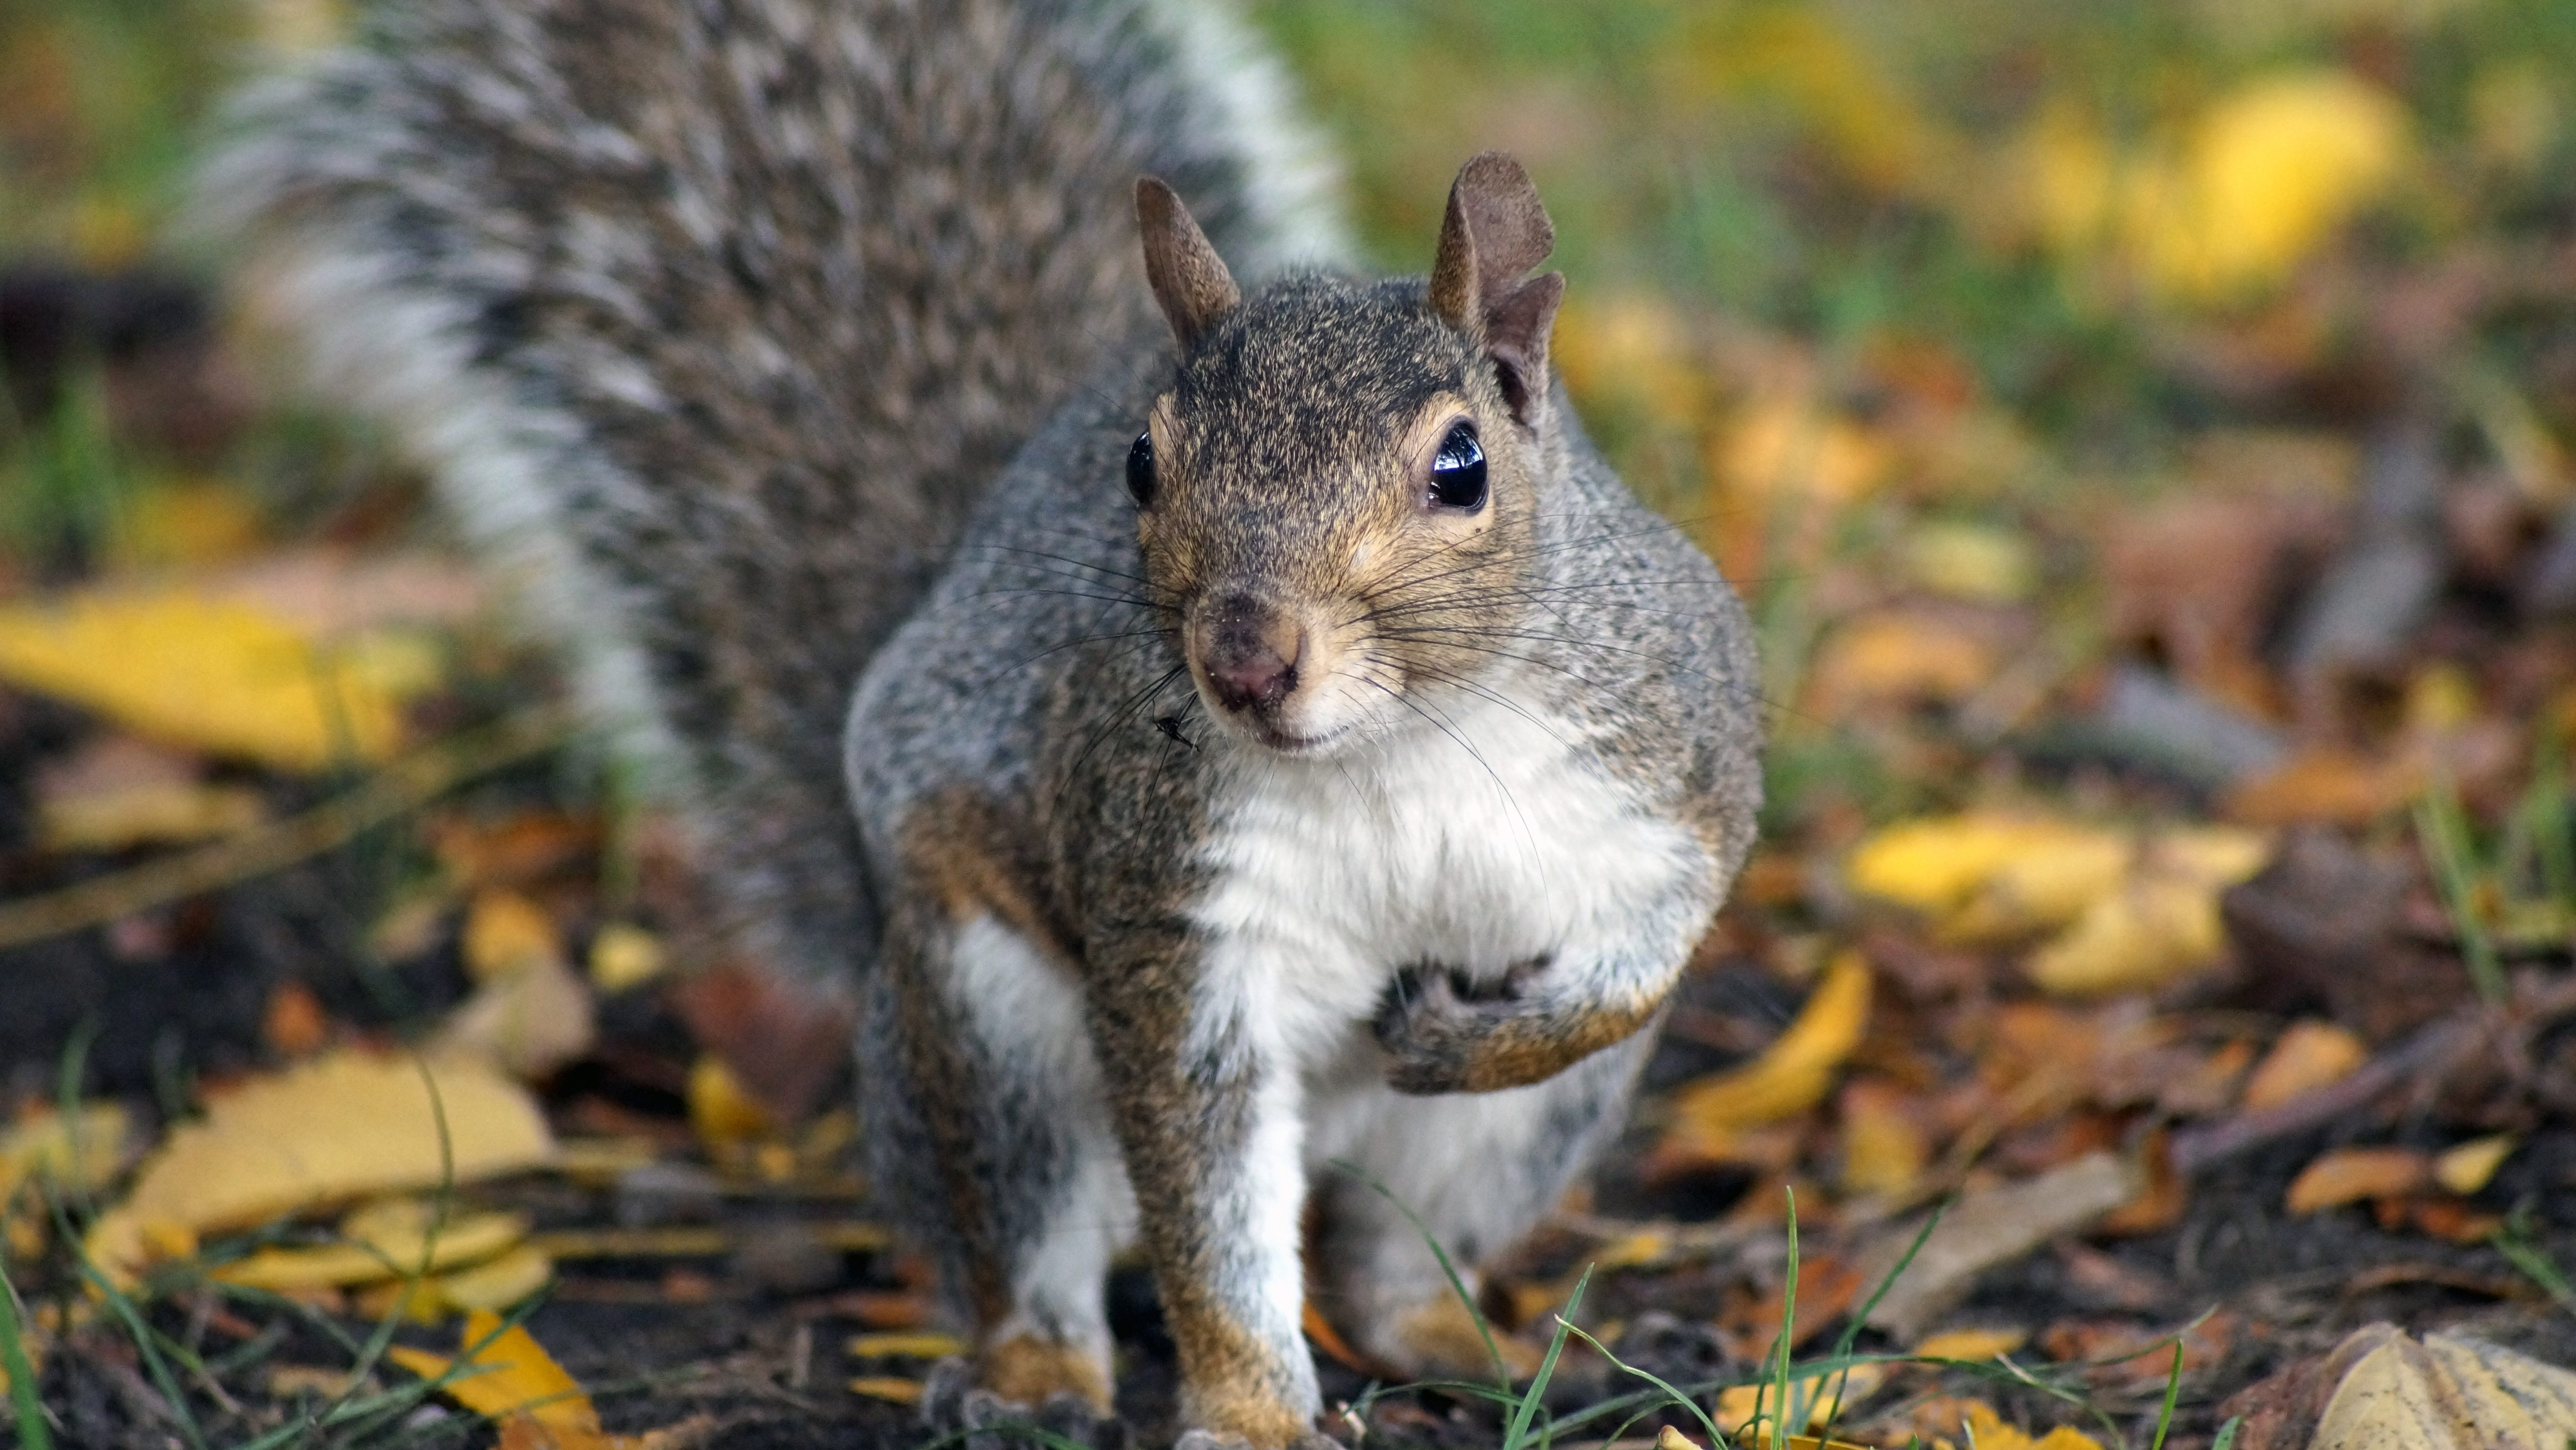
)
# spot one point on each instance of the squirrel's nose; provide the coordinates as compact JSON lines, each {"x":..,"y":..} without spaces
{"x":1251,"y":655}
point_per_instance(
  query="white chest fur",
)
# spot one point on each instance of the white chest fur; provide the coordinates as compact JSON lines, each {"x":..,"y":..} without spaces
{"x":1494,"y":842}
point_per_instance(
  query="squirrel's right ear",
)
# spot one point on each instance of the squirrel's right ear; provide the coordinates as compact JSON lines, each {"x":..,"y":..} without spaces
{"x":1188,"y":277}
{"x":1495,"y":233}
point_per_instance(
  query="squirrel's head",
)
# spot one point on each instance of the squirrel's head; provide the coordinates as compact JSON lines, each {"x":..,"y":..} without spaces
{"x":1337,"y":495}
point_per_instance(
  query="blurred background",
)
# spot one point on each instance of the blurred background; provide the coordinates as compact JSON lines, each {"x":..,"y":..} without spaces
{"x":2141,"y":430}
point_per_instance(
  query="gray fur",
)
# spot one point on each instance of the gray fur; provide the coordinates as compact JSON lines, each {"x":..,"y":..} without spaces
{"x":713,"y":317}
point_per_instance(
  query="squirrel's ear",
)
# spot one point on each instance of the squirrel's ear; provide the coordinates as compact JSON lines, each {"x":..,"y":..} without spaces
{"x":1495,"y":232}
{"x":1188,"y":277}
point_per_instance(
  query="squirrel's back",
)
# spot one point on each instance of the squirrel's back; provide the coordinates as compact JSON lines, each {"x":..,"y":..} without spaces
{"x":713,"y":317}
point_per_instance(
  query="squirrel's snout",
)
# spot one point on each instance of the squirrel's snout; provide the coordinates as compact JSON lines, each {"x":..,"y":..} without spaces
{"x":1250,"y":654}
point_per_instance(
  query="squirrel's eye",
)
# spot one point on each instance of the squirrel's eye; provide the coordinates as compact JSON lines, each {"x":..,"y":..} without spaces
{"x":1458,"y":471}
{"x":1140,"y":469}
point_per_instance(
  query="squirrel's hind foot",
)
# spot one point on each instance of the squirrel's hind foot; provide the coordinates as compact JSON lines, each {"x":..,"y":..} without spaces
{"x":953,"y":1403}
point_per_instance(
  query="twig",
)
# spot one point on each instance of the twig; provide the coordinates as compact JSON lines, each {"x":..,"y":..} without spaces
{"x":402,"y":787}
{"x":2433,"y":1049}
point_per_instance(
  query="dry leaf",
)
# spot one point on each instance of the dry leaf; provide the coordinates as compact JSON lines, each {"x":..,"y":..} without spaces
{"x":1823,"y":1399}
{"x":2469,"y":1167}
{"x":1899,"y":656}
{"x":888,"y":1387}
{"x":623,"y":956}
{"x":1974,"y":562}
{"x":2349,"y":1175}
{"x":1792,"y":1075}
{"x":1987,"y":1431}
{"x":208,"y":675}
{"x":1971,"y":1344}
{"x":910,"y":1346}
{"x":1988,"y":1227}
{"x":2327,"y":786}
{"x":2155,"y":931}
{"x":505,"y":933}
{"x":529,"y":1022}
{"x":725,"y":1116}
{"x":497,"y":1283}
{"x":2308,"y":1055}
{"x":396,"y":1239}
{"x":505,"y":1372}
{"x":80,"y":1152}
{"x":344,"y":1126}
{"x":1884,"y":1149}
{"x":2444,"y":1393}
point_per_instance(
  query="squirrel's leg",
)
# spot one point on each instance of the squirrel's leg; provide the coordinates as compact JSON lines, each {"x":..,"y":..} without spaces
{"x":1208,"y":1112}
{"x":988,"y":1117}
{"x":1478,"y":1170}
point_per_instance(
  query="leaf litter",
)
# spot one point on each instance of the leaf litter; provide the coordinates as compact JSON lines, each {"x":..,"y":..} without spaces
{"x":2146,"y":452}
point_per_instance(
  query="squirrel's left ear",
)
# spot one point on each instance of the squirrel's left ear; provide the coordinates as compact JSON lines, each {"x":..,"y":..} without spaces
{"x":1496,"y":231}
{"x":1188,"y":277}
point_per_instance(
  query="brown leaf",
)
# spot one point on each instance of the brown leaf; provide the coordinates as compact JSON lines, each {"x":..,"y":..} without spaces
{"x":2349,"y":1175}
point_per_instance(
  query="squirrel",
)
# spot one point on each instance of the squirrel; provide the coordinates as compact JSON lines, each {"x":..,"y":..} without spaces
{"x":1261,"y":769}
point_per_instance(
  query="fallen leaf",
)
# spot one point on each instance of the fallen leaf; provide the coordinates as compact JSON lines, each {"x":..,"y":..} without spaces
{"x":1987,"y":1227}
{"x":727,"y":1118}
{"x":2349,"y":1175}
{"x":2265,"y":176}
{"x":1987,"y":1431}
{"x":208,"y":675}
{"x":624,"y":956}
{"x":1790,"y":1076}
{"x":2466,"y":1169}
{"x":2154,"y":931}
{"x":1884,"y":1149}
{"x":293,"y":1024}
{"x":501,"y":1372}
{"x":1899,"y":656}
{"x":1973,"y":1345}
{"x":505,"y":932}
{"x":498,"y":1283}
{"x":1974,"y":562}
{"x":529,"y":1021}
{"x":382,"y":1241}
{"x":2443,"y":1393}
{"x":908,"y":1346}
{"x":1935,"y":865}
{"x":80,"y":1152}
{"x":888,"y":1387}
{"x":2326,"y":786}
{"x":343,"y":1126}
{"x":1814,"y":1400}
{"x":2308,"y":1055}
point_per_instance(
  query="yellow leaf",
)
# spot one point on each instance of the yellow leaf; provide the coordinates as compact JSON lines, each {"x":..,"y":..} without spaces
{"x":189,"y":521}
{"x":2154,"y":931}
{"x":1884,"y":1150}
{"x":1786,"y":454}
{"x":2444,"y":1393}
{"x":910,"y":1346}
{"x":721,"y":1109}
{"x":1974,"y":562}
{"x":504,"y":1372}
{"x":383,"y":1241}
{"x":1987,"y":1431}
{"x":2057,"y":876}
{"x":498,"y":1283}
{"x":80,"y":1152}
{"x":505,"y":933}
{"x":2265,"y":177}
{"x":208,"y":675}
{"x":530,"y":1021}
{"x":624,"y":956}
{"x":887,"y":1387}
{"x":1819,"y":1397}
{"x":344,"y":1126}
{"x":1794,"y":1073}
{"x":2468,"y":1168}
{"x":1971,"y":1344}
{"x":2308,"y":1055}
{"x":147,"y":812}
{"x":1895,"y":655}
{"x":1932,"y":865}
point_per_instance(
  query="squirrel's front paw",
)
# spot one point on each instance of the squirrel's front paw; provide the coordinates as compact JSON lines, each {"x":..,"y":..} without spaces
{"x":953,"y":1404}
{"x":1435,"y":1025}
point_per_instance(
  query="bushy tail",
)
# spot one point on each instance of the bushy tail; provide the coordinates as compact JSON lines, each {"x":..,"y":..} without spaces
{"x":712,"y":317}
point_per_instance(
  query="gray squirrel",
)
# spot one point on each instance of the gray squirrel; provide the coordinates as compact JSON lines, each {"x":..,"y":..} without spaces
{"x":1290,"y":769}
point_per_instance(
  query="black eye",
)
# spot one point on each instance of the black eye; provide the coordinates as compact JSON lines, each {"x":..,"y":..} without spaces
{"x":1458,"y":471}
{"x":1140,"y":469}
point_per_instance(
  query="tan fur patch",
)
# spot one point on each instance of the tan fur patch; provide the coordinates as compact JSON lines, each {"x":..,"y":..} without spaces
{"x":1518,"y":1058}
{"x":1028,"y":1370}
{"x":973,"y":859}
{"x":1439,"y":1338}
